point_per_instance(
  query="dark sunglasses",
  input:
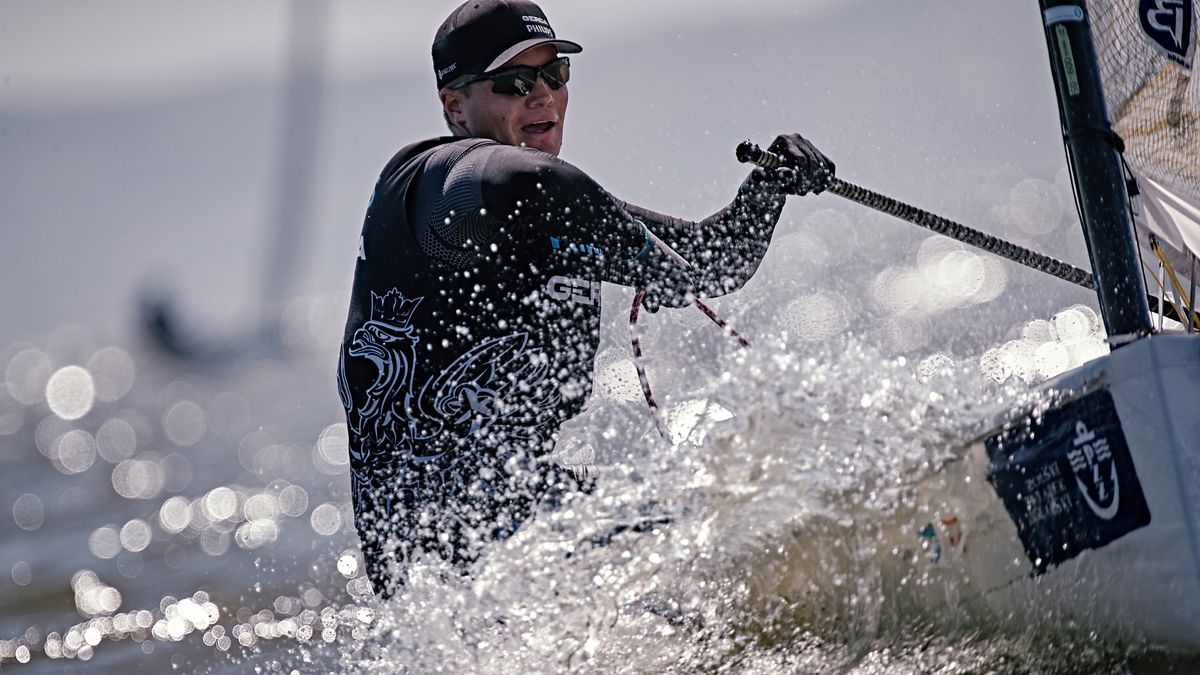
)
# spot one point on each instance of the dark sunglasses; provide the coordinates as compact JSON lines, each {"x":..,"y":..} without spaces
{"x":520,"y":80}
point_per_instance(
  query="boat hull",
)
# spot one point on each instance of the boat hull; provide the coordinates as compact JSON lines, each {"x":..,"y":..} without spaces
{"x":1082,"y":510}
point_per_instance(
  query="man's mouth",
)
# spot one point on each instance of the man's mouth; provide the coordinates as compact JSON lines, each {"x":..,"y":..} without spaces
{"x":538,"y":128}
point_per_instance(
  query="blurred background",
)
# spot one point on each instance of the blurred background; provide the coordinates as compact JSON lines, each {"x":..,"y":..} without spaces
{"x":143,"y":143}
{"x":213,"y":161}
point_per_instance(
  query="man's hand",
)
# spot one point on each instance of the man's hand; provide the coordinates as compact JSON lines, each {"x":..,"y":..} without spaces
{"x":805,"y":170}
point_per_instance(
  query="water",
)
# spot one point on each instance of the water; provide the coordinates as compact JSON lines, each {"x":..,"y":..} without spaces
{"x":194,"y":516}
{"x":165,"y":515}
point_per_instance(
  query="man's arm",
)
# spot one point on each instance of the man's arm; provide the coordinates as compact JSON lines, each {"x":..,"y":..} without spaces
{"x":727,"y":247}
{"x":724,"y":250}
{"x":562,"y":201}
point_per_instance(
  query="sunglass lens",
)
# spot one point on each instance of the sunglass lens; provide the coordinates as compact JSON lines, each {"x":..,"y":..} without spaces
{"x":557,"y":72}
{"x":520,"y":80}
{"x":515,"y":82}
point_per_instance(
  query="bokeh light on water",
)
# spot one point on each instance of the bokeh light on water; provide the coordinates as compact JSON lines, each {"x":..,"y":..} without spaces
{"x":331,"y":454}
{"x":113,"y":372}
{"x":326,"y":519}
{"x":201,"y":526}
{"x":28,"y":512}
{"x":173,"y":517}
{"x":1036,"y":206}
{"x":105,"y":542}
{"x":70,"y":392}
{"x":946,"y":276}
{"x":116,"y":440}
{"x":1045,"y":349}
{"x":22,"y":574}
{"x":75,"y":452}
{"x":185,"y":423}
{"x":136,"y":479}
{"x":26,"y":375}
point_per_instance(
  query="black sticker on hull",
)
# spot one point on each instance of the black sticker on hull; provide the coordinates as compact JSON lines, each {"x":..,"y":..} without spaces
{"x":1067,"y":480}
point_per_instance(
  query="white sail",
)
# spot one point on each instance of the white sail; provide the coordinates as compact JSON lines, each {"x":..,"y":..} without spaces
{"x":1145,"y":50}
{"x":1172,"y":216}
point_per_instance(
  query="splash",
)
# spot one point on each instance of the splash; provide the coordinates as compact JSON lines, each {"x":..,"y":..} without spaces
{"x":203,"y":520}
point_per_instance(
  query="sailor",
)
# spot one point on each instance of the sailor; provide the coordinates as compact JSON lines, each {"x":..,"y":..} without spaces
{"x":475,"y":311}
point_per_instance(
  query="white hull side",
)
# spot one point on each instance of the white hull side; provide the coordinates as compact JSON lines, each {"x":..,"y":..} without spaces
{"x":1144,"y":585}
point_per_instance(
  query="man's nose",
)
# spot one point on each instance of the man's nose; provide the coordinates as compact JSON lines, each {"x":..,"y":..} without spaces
{"x":540,"y":94}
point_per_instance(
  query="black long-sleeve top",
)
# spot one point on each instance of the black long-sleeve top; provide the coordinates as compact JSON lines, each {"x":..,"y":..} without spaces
{"x":473,"y":324}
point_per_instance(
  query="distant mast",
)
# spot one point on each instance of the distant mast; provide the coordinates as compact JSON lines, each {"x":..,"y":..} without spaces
{"x":1099,"y":181}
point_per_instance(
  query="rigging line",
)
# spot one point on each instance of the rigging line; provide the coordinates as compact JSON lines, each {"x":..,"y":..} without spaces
{"x":962,"y":233}
{"x":1170,"y":269}
{"x":636,"y":342}
{"x":1162,"y":304}
{"x":639,"y":359}
{"x":748,"y":152}
{"x":1135,"y":198}
{"x":1159,"y":279}
{"x":1178,"y":287}
{"x":1162,"y":296}
{"x":712,"y":314}
{"x":1192,"y":294}
{"x":640,"y":365}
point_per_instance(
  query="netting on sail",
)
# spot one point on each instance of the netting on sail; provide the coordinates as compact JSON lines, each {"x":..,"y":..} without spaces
{"x":1145,"y":50}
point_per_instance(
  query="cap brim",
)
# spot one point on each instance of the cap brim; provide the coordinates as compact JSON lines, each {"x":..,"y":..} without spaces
{"x":563,"y":47}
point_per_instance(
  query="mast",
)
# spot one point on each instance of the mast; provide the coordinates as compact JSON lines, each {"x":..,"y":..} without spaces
{"x":1095,"y":163}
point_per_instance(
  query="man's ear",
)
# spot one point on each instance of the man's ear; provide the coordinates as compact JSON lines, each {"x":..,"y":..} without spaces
{"x":452,"y":106}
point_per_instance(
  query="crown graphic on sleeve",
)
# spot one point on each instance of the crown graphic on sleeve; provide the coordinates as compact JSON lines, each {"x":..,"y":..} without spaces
{"x":393,"y":308}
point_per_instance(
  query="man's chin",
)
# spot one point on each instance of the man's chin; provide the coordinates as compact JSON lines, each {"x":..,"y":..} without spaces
{"x":549,"y":145}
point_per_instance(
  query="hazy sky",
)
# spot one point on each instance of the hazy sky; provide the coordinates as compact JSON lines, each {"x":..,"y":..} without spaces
{"x":59,"y":52}
{"x":142,"y":138}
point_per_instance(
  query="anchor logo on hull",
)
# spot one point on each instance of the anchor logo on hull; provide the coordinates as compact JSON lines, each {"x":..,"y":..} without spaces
{"x":1089,"y":456}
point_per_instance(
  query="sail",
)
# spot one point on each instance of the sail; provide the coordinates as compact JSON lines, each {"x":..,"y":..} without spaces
{"x":1170,"y":214}
{"x":1146,"y":50}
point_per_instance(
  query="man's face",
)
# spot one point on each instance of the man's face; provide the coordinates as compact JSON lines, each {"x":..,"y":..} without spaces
{"x":535,"y":120}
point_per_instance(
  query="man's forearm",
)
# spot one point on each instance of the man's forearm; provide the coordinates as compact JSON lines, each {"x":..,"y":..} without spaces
{"x":725,"y":248}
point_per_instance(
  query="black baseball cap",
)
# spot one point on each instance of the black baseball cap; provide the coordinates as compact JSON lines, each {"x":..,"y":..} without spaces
{"x":482,"y":35}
